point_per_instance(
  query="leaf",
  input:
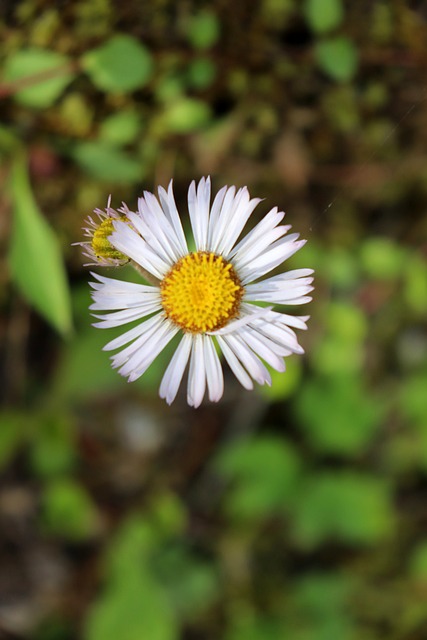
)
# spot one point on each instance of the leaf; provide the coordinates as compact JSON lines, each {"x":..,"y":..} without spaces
{"x":30,"y":62}
{"x":122,"y":64}
{"x":382,"y":258}
{"x":337,"y":57}
{"x":185,"y":115}
{"x":35,"y":260}
{"x":68,"y":511}
{"x":106,"y":162}
{"x":283,"y":385}
{"x":346,"y":506}
{"x":134,"y":604}
{"x":264,"y":471}
{"x":203,"y":30}
{"x":323,"y":15}
{"x":338,"y":417}
{"x":14,"y":430}
{"x":120,"y":128}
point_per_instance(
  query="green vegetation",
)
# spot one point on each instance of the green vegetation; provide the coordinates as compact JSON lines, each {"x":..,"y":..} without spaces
{"x":295,"y":511}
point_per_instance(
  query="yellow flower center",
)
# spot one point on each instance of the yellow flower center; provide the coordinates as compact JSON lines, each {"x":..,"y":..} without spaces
{"x":201,"y":292}
{"x":101,"y":245}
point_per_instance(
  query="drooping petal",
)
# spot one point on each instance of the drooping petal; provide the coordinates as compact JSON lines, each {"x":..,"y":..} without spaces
{"x":214,"y":375}
{"x":197,"y":373}
{"x":173,"y":375}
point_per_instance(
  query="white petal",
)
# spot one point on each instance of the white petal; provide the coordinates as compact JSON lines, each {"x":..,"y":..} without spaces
{"x":197,"y":374}
{"x":149,"y":344}
{"x":117,"y":318}
{"x":214,"y":215}
{"x":133,"y":333}
{"x":152,"y":352}
{"x":198,"y":208}
{"x":127,"y":241}
{"x":269,"y":222}
{"x":154,"y":234}
{"x":243,"y":257}
{"x":251,"y":362}
{"x":292,"y":296}
{"x":214,"y":374}
{"x":262,"y":350}
{"x":119,"y":286}
{"x":251,"y":312}
{"x":223,"y":218}
{"x":171,"y":212}
{"x":241,"y":214}
{"x":235,"y":365}
{"x":270,"y":260}
{"x":173,"y":375}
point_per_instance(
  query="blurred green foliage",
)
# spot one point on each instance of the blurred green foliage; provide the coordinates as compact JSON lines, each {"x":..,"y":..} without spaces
{"x":297,"y":511}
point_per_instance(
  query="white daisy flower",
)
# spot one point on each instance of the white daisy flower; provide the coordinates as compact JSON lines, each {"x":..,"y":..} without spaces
{"x":208,"y":296}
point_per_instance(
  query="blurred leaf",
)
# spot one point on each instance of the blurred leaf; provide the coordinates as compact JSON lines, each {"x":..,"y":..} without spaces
{"x":413,"y":397}
{"x":345,"y":506}
{"x":27,"y":63}
{"x":192,"y":585}
{"x":120,"y":128}
{"x":122,"y":64}
{"x":346,"y":321}
{"x":105,"y":162}
{"x":418,"y":562}
{"x":415,"y":285}
{"x":264,"y":472}
{"x":52,"y":451}
{"x":35,"y":259}
{"x":335,"y":356}
{"x":323,"y":15}
{"x":319,"y":608}
{"x":203,"y":29}
{"x":201,"y":73}
{"x":134,"y":604}
{"x":185,"y":115}
{"x":338,"y":416}
{"x":8,"y":140}
{"x":382,"y":258}
{"x":337,"y":57}
{"x":283,"y":385}
{"x":14,"y":429}
{"x":68,"y":511}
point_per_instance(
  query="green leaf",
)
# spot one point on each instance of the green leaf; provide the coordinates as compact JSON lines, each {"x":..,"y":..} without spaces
{"x":185,"y":115}
{"x":264,"y":471}
{"x":52,"y":449}
{"x":323,"y":15}
{"x":68,"y":511}
{"x":122,"y":64}
{"x":106,"y":162}
{"x":346,"y":506}
{"x":338,"y":417}
{"x":283,"y":385}
{"x":134,"y":604}
{"x":14,"y":429}
{"x":203,"y":30}
{"x":201,"y":73}
{"x":30,"y":62}
{"x":120,"y":128}
{"x":382,"y":258}
{"x":337,"y":57}
{"x":35,"y":259}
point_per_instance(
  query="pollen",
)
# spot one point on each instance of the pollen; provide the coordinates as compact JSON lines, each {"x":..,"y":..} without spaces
{"x":101,"y":245}
{"x":201,"y":292}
